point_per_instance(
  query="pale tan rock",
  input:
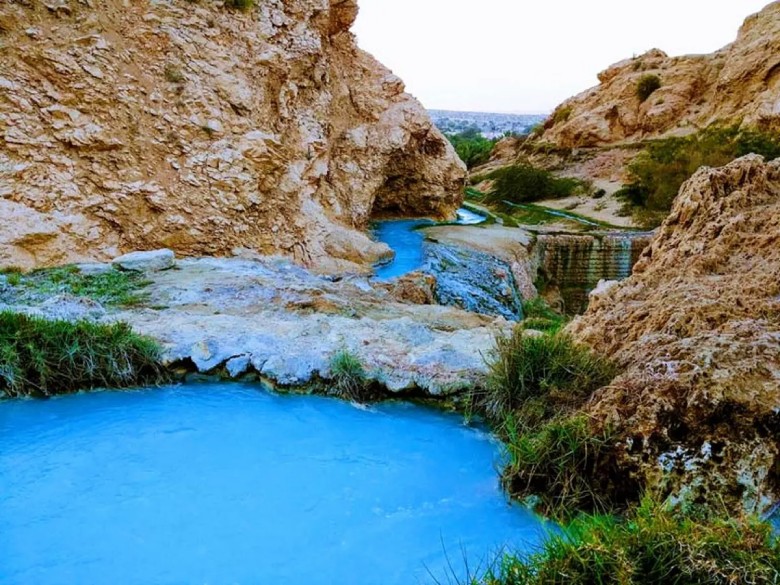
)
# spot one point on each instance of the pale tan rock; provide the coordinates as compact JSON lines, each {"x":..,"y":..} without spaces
{"x":695,"y":330}
{"x":201,"y":129}
{"x":737,"y":84}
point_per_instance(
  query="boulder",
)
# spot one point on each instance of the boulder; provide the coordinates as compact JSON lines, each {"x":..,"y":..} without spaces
{"x":151,"y":261}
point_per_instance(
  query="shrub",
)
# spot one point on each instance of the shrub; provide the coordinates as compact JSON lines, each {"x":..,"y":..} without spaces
{"x":349,"y":377}
{"x":561,"y":114}
{"x":549,"y":367}
{"x":40,"y":357}
{"x":647,"y":85}
{"x":523,"y":183}
{"x":655,"y":546}
{"x":659,"y":171}
{"x":240,"y":4}
{"x":173,"y":74}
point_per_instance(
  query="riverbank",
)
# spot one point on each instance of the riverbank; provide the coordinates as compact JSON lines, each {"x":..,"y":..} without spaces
{"x":268,"y":318}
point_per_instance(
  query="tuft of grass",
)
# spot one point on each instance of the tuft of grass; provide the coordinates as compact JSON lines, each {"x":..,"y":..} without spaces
{"x":113,"y":287}
{"x":647,"y":85}
{"x":656,"y":545}
{"x":41,"y":357}
{"x":563,"y":462}
{"x":349,"y":377}
{"x":552,"y":368}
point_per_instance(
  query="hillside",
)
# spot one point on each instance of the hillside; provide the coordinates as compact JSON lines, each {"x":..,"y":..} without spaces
{"x":739,"y":83}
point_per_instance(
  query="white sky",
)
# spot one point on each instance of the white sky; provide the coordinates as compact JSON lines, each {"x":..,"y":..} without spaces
{"x":527,"y":56}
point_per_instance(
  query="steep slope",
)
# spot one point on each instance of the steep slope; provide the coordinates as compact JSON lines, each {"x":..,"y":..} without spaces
{"x":697,"y":331}
{"x":739,"y":83}
{"x":136,"y":125}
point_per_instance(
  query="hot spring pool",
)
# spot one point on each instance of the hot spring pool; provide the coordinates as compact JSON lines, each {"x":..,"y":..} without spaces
{"x":226,"y":483}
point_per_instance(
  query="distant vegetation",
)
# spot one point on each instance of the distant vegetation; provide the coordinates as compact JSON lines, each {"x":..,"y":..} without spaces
{"x":647,"y":85}
{"x":41,"y":357}
{"x":523,"y":183}
{"x":663,"y":166}
{"x":472,"y":148}
{"x":655,"y":545}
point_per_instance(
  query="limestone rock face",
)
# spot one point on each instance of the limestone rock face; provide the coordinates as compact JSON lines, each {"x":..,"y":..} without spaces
{"x":143,"y":125}
{"x":697,"y":331}
{"x":740,"y":82}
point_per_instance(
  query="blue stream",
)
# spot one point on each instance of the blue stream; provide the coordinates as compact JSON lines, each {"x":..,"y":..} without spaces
{"x":406,"y":241}
{"x":220,"y":484}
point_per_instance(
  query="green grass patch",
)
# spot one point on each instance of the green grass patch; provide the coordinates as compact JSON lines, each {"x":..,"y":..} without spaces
{"x":112,"y":287}
{"x":659,"y":171}
{"x":654,"y":546}
{"x":350,"y":378}
{"x":41,"y":357}
{"x":539,"y":316}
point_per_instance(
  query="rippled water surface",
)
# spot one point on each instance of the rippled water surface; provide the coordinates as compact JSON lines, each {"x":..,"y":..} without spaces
{"x":220,"y":483}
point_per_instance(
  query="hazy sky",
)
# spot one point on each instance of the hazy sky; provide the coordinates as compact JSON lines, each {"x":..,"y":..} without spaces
{"x":529,"y":55}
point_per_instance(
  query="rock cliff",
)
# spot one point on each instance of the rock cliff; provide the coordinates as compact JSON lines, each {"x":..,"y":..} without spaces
{"x":189,"y":125}
{"x":697,"y":330}
{"x":739,"y":83}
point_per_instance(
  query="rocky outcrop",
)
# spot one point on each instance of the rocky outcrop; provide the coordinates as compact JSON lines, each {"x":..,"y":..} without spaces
{"x":191,"y":126}
{"x":271,"y":319}
{"x":697,"y":331}
{"x":739,"y":83}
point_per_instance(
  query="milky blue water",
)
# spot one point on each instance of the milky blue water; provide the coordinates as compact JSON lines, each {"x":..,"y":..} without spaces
{"x":224,"y":484}
{"x":406,"y":240}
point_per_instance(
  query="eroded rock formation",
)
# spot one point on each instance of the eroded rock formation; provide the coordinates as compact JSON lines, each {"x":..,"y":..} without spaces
{"x":697,"y":331}
{"x":739,"y":83}
{"x":138,"y":125}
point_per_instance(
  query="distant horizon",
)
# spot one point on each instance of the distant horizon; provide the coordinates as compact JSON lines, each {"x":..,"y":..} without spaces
{"x":525,"y":58}
{"x":545,"y":113}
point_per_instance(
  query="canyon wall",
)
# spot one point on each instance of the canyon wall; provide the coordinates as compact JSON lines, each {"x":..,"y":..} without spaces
{"x":696,"y":331}
{"x":737,"y":84}
{"x":143,"y":124}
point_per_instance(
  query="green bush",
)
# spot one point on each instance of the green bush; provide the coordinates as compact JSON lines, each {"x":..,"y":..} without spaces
{"x":472,"y":148}
{"x":659,"y":171}
{"x":654,"y":546}
{"x":349,"y":377}
{"x":647,"y":85}
{"x":41,"y":357}
{"x":524,"y":183}
{"x":552,"y":368}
